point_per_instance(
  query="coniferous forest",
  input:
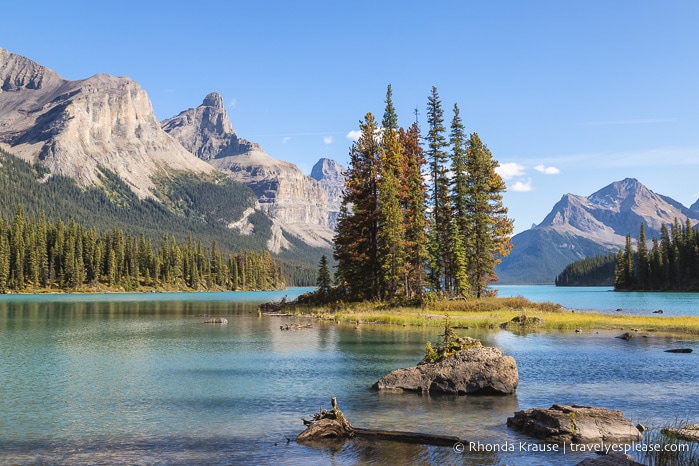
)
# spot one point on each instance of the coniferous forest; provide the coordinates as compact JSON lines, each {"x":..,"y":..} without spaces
{"x":589,"y":271}
{"x":671,"y":263}
{"x":36,"y":254}
{"x":398,"y":236}
{"x":189,"y":209}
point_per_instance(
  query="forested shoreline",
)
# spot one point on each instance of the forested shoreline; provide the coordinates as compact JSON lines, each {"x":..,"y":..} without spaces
{"x":38,"y":255}
{"x":671,"y":264}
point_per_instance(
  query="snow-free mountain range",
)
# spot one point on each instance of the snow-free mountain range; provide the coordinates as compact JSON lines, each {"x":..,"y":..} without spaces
{"x":81,"y":128}
{"x":106,"y":125}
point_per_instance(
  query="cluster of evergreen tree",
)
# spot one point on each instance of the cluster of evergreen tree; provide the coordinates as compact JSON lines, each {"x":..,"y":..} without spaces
{"x":397,"y":237}
{"x":589,"y":271}
{"x":38,"y":254}
{"x":671,"y":264}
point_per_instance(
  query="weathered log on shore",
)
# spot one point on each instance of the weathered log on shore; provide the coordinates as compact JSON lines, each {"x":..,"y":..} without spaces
{"x":294,"y":326}
{"x":408,"y":437}
{"x":333,"y":424}
{"x":327,"y":424}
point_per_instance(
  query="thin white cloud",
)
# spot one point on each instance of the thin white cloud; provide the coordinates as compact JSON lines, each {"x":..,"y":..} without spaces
{"x":510,"y":170}
{"x":328,"y":140}
{"x":637,"y":121}
{"x":353,"y":135}
{"x":547,"y":170}
{"x":522,"y":187}
{"x":655,"y":157}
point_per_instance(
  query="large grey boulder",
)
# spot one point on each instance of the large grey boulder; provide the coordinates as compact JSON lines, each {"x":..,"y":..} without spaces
{"x":478,"y":370}
{"x":575,"y":424}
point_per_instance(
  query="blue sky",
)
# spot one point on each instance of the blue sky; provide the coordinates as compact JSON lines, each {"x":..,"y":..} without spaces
{"x":568,"y":95}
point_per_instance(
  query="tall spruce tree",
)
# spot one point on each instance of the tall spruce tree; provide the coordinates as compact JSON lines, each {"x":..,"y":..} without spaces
{"x":643,"y":260}
{"x":356,"y":239}
{"x":323,"y":280}
{"x":490,"y":229}
{"x":461,"y":225}
{"x":440,"y":216}
{"x":415,"y":220}
{"x":391,"y":251}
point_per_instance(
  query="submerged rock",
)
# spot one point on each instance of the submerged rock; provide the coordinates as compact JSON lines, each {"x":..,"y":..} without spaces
{"x":679,"y":350}
{"x":688,"y":433}
{"x":216,"y":320}
{"x":575,"y":424}
{"x":477,"y":370}
{"x":612,"y":459}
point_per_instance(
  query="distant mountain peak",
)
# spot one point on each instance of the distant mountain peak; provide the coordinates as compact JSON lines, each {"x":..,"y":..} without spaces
{"x":580,"y":226}
{"x":206,"y":131}
{"x":78,"y":128}
{"x":330,"y":174}
{"x":213,"y":99}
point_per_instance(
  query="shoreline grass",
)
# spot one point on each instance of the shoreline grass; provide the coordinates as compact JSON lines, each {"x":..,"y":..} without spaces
{"x":490,"y":313}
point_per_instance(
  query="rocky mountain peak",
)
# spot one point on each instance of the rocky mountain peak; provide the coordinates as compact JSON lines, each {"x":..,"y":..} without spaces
{"x":206,"y":131}
{"x":18,"y":72}
{"x":580,"y":226}
{"x":328,"y":170}
{"x":329,"y":173}
{"x":79,"y":128}
{"x":214,"y":100}
{"x":296,"y":203}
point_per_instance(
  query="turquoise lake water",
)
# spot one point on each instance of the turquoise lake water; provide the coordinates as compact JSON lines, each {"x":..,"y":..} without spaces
{"x":140,"y":379}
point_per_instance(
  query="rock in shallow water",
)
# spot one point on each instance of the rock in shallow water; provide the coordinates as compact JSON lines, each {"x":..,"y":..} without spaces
{"x":478,"y":370}
{"x":575,"y":424}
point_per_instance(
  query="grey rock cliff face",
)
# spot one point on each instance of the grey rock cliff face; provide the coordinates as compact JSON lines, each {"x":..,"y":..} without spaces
{"x":206,"y":131}
{"x":330,"y":174}
{"x":296,"y":203}
{"x":76,"y":127}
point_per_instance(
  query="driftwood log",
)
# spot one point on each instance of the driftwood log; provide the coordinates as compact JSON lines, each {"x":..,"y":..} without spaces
{"x":333,"y":424}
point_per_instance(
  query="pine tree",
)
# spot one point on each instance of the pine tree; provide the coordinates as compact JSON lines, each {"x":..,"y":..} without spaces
{"x":356,"y":239}
{"x":490,"y":228}
{"x":390,"y":240}
{"x":415,"y":220}
{"x":440,"y":218}
{"x":643,"y":261}
{"x":4,"y":257}
{"x":323,"y":280}
{"x":461,"y":225}
{"x":17,"y":249}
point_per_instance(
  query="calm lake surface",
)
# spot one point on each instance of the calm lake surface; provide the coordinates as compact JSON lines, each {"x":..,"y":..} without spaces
{"x":140,"y":379}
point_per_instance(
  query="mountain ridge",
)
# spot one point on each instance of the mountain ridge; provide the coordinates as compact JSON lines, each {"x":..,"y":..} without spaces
{"x":105,"y":124}
{"x":296,"y":203}
{"x":585,"y":226}
{"x":76,"y":128}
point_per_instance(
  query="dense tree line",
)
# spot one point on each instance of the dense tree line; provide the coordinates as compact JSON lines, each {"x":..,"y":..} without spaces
{"x":671,"y":263}
{"x":38,"y":254}
{"x":589,"y":271}
{"x":396,"y":236}
{"x":200,"y":206}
